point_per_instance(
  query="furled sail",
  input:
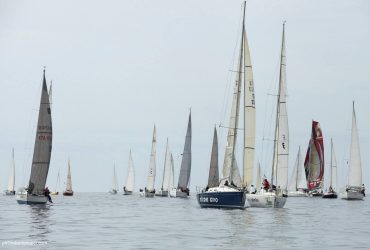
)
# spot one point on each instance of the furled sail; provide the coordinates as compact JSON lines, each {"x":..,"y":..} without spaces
{"x":314,"y":162}
{"x":152,"y":164}
{"x":185,"y":168}
{"x":43,"y":144}
{"x":213,"y":177}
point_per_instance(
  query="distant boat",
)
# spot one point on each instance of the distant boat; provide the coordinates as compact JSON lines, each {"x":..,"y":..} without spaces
{"x":35,"y":192}
{"x":355,"y":189}
{"x":130,"y":182}
{"x":114,"y":189}
{"x":230,"y":191}
{"x":56,"y":185}
{"x":314,"y":162}
{"x":69,"y":190}
{"x":149,"y":190}
{"x":275,"y":195}
{"x":182,"y":189}
{"x":167,"y":173}
{"x":297,"y":186}
{"x":11,"y":183}
{"x":333,"y":176}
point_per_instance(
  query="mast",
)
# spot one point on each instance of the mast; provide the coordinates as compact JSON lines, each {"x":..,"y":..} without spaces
{"x":249,"y":114}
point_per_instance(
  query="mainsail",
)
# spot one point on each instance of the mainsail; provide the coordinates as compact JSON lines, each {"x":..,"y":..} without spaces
{"x":167,"y":172}
{"x":355,"y":170}
{"x":11,"y":182}
{"x":258,"y":178}
{"x":69,"y":179}
{"x":172,"y":176}
{"x":298,"y":178}
{"x":114,"y":181}
{"x":152,"y":164}
{"x":333,"y":169}
{"x":213,"y":178}
{"x":185,"y":168}
{"x":43,"y":144}
{"x":314,"y":162}
{"x":130,"y":175}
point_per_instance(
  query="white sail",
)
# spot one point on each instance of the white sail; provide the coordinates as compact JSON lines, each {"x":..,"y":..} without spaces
{"x":298,"y":178}
{"x":130,"y":182}
{"x":43,"y":144}
{"x":185,"y":169}
{"x":249,"y":116}
{"x":152,"y":164}
{"x":355,"y":170}
{"x":114,"y":181}
{"x":167,"y":172}
{"x":57,"y":182}
{"x":11,"y":182}
{"x":172,"y":175}
{"x":69,"y":179}
{"x":280,"y":169}
{"x":333,"y":169}
{"x":258,"y":177}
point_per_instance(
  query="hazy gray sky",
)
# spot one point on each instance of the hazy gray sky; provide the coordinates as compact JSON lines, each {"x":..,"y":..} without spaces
{"x":118,"y":67}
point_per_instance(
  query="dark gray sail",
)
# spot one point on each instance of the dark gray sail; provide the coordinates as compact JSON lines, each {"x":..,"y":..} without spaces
{"x":185,"y":169}
{"x":43,"y":144}
{"x":213,"y":177}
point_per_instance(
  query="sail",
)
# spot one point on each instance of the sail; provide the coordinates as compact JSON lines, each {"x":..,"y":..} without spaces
{"x":51,"y":94}
{"x":333,"y":171}
{"x":130,"y":182}
{"x":172,"y":176}
{"x":167,"y":170}
{"x":114,"y":181}
{"x":281,"y":148}
{"x":213,"y":178}
{"x":57,"y":182}
{"x":258,"y":177}
{"x":11,"y":182}
{"x":69,"y":179}
{"x":43,"y":144}
{"x":298,"y":179}
{"x":355,"y":171}
{"x":152,"y":164}
{"x":314,"y":161}
{"x":249,"y":116}
{"x":185,"y":168}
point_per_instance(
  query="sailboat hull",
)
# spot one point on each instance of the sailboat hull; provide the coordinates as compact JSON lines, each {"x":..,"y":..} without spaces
{"x":352,"y":195}
{"x":224,"y":199}
{"x":297,"y":194}
{"x":149,"y":194}
{"x":266,"y":200}
{"x":9,"y":193}
{"x":315,"y":193}
{"x":113,"y":191}
{"x":68,"y":193}
{"x":162,"y":193}
{"x":331,"y":195}
{"x":126,"y":192}
{"x":24,"y":198}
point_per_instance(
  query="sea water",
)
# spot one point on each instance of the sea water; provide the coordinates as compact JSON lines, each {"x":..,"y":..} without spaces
{"x":105,"y":221}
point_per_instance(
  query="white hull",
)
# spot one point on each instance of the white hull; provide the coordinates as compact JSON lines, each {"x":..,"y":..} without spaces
{"x":24,"y":198}
{"x":297,"y":194}
{"x":351,"y":195}
{"x":113,"y":191}
{"x":266,"y":200}
{"x":178,"y":193}
{"x":163,"y":193}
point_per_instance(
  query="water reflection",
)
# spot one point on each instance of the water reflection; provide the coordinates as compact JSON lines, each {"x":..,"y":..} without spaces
{"x":39,"y":221}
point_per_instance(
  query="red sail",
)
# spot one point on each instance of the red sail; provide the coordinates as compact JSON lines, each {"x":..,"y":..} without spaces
{"x":314,"y":162}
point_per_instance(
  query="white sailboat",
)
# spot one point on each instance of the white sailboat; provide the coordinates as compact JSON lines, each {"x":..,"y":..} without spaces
{"x":172,"y":175}
{"x":56,"y":184}
{"x":11,"y":183}
{"x":332,"y":192}
{"x":355,"y":189}
{"x":167,"y":172}
{"x":114,"y":189}
{"x":276,"y":195}
{"x":69,"y":190}
{"x":35,"y":192}
{"x":130,"y":182}
{"x":149,"y":190}
{"x":230,"y":193}
{"x":297,"y":185}
{"x":182,"y":189}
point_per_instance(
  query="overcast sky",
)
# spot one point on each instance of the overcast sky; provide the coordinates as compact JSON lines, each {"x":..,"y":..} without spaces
{"x":118,"y":67}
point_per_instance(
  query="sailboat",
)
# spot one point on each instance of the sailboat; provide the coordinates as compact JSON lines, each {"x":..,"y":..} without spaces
{"x":11,"y":183}
{"x":149,"y":190}
{"x":314,"y":162}
{"x":56,"y":185}
{"x":34,"y":193}
{"x":297,"y":186}
{"x":167,"y":172}
{"x":68,"y":191}
{"x":275,"y":196}
{"x":130,"y":182}
{"x":230,"y":192}
{"x":333,"y":176}
{"x":182,"y":189}
{"x":355,"y":189}
{"x":114,"y":189}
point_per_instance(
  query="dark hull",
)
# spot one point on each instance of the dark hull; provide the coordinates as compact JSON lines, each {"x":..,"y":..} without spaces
{"x":330,"y":196}
{"x":68,"y":193}
{"x":228,"y":200}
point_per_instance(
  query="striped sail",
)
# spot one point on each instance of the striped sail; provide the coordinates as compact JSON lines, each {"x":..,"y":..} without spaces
{"x":213,"y":178}
{"x":152,"y":164}
{"x":43,"y":144}
{"x":185,"y":168}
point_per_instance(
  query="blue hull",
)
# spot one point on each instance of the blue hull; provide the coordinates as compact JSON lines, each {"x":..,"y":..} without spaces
{"x":30,"y":202}
{"x":230,"y":200}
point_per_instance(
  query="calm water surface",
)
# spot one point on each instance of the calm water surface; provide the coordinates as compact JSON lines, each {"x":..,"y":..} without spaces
{"x":104,"y":221}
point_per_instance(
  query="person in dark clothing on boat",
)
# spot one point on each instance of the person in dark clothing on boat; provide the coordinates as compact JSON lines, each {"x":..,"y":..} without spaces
{"x":226,"y":183}
{"x":47,"y":194}
{"x":266,"y":184}
{"x":363,"y":189}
